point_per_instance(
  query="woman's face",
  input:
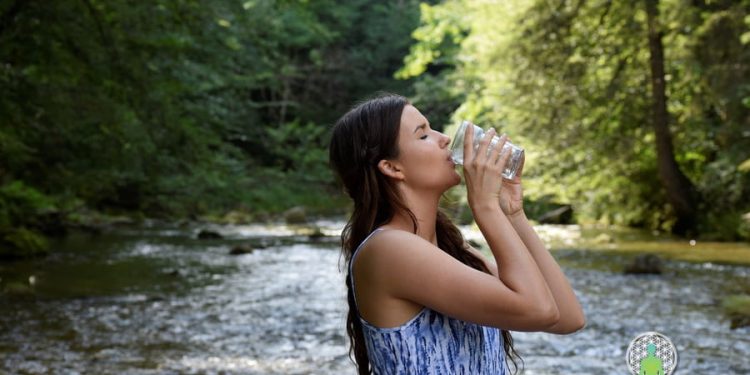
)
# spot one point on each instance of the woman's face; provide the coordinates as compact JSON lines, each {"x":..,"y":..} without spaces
{"x":424,"y":155}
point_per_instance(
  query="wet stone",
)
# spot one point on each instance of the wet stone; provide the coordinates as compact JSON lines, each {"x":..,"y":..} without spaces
{"x":295,"y":215}
{"x":206,"y":234}
{"x":241,"y":249}
{"x":645,"y":264}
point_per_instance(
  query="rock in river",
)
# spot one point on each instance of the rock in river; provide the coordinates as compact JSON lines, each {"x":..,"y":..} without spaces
{"x":645,"y":264}
{"x":295,"y":215}
{"x":206,"y":234}
{"x":241,"y":249}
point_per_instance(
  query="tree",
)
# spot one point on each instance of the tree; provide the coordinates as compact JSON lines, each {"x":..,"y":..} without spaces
{"x":679,"y":189}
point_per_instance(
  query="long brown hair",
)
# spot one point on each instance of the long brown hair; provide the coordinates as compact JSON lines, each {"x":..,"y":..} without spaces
{"x":361,"y":138}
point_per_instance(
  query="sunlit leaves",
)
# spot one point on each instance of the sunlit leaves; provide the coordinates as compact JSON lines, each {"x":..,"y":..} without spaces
{"x":570,"y":80}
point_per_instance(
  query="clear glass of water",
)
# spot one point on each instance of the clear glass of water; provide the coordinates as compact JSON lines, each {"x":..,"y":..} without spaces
{"x":457,"y":149}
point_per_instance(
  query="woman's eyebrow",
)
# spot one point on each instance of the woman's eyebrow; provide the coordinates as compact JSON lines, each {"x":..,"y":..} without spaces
{"x":420,"y":127}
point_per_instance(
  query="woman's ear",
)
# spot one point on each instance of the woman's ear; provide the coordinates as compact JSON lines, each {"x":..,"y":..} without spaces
{"x":390,"y":169}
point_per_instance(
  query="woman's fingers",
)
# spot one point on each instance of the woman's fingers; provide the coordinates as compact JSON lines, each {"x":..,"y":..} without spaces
{"x":484,"y":146}
{"x":499,"y":152}
{"x":519,"y":171}
{"x":493,"y":149}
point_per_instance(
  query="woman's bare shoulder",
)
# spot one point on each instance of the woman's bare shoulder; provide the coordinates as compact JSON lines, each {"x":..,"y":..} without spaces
{"x":387,"y":243}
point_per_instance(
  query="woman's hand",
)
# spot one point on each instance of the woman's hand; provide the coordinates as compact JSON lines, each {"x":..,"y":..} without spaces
{"x":511,"y":193}
{"x":483,"y":168}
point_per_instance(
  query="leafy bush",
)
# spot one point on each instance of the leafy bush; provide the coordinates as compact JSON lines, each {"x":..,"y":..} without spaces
{"x":21,"y":208}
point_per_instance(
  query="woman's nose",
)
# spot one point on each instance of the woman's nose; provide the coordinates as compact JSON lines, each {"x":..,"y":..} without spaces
{"x":444,"y":140}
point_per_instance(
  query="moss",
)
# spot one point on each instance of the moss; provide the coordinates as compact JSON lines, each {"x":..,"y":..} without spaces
{"x":737,"y":308}
{"x":22,"y":243}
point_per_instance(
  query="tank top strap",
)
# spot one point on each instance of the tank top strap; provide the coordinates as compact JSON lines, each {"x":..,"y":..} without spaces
{"x":351,"y":262}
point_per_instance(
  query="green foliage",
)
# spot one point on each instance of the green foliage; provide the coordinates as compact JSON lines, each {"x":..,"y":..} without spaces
{"x":22,"y":211}
{"x":302,"y":148}
{"x":183,"y":107}
{"x":570,"y":81}
{"x":19,"y":203}
{"x":438,"y":37}
{"x":22,"y":243}
{"x":433,"y":59}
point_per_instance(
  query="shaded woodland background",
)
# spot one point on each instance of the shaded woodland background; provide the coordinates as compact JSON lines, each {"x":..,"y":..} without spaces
{"x":634,"y":113}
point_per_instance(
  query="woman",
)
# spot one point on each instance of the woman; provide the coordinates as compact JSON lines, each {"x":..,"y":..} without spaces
{"x":422,"y":301}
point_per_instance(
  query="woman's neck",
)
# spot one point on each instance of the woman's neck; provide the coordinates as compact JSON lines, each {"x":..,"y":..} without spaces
{"x":425,"y":208}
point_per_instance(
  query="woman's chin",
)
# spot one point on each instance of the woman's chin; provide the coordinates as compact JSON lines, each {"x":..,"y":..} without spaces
{"x":456,"y":179}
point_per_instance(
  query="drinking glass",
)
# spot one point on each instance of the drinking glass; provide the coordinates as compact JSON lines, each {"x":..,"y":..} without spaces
{"x":457,"y":149}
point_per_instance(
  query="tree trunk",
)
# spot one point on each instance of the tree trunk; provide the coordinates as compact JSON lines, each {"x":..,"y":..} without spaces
{"x":680,"y":191}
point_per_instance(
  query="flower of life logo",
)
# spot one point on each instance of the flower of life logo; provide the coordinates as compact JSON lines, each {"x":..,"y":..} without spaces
{"x":651,"y":353}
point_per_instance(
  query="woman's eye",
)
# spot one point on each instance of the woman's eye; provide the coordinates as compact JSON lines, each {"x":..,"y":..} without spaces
{"x":423,"y":137}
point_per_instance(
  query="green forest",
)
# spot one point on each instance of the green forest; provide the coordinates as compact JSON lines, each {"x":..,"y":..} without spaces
{"x":634,"y":113}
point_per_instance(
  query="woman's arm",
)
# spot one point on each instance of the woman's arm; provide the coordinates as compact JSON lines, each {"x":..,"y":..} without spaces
{"x":571,"y":314}
{"x":511,"y":202}
{"x":404,"y":266}
{"x":515,"y":266}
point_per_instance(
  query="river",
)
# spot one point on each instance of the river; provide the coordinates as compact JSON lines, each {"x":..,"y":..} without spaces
{"x":157,"y":300}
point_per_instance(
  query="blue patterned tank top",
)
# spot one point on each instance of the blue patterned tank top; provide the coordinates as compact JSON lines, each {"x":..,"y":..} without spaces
{"x":432,"y":343}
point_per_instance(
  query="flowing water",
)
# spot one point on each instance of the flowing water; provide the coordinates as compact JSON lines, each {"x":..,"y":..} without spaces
{"x":156,"y":300}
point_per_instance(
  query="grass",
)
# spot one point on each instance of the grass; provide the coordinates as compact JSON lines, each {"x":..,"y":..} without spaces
{"x":715,"y":252}
{"x":632,"y":241}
